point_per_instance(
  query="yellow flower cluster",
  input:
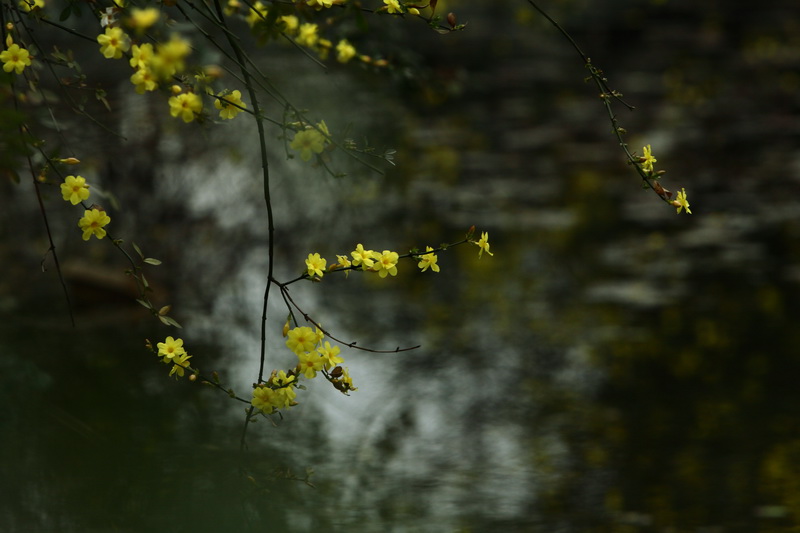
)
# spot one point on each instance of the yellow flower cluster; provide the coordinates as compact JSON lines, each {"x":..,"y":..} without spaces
{"x":276,"y":393}
{"x":172,"y":351}
{"x":313,"y":355}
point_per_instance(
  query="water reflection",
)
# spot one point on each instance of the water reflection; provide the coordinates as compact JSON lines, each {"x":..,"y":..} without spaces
{"x":612,"y":368}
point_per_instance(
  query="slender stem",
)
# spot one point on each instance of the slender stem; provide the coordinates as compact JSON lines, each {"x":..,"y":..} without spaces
{"x":267,"y":198}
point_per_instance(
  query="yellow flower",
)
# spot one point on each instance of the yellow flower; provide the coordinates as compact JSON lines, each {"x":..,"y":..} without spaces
{"x":256,"y":14}
{"x":330,"y":356}
{"x":647,"y":163}
{"x":169,"y":56}
{"x":345,"y":51}
{"x":232,"y":7}
{"x":301,"y":339}
{"x":181,"y":361}
{"x":170,"y":348}
{"x":342,"y":262}
{"x":185,"y":105}
{"x":428,"y":261}
{"x":387,"y":263}
{"x":263,"y":398}
{"x":315,"y":265}
{"x":74,"y":189}
{"x":142,"y":55}
{"x":113,"y":43}
{"x":682,"y":202}
{"x":92,"y":223}
{"x":145,"y":80}
{"x":319,"y":4}
{"x":365,"y":258}
{"x":285,"y":393}
{"x":292,"y":23}
{"x":15,"y":58}
{"x":308,"y":35}
{"x":141,"y":19}
{"x":29,"y":5}
{"x":393,"y":6}
{"x":483,"y":244}
{"x":227,"y":108}
{"x":308,"y":142}
{"x":310,"y":364}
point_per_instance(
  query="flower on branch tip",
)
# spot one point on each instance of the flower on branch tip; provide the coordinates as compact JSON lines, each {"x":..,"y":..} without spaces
{"x":483,"y":244}
{"x":15,"y":58}
{"x":648,"y":159}
{"x":141,"y":19}
{"x":113,"y":43}
{"x":362,"y":257}
{"x":170,"y":348}
{"x":315,"y":265}
{"x":228,"y":107}
{"x":181,"y":361}
{"x":681,"y":202}
{"x":92,"y":223}
{"x":185,"y":105}
{"x":345,"y":51}
{"x":310,"y":363}
{"x":330,"y":355}
{"x":392,"y":6}
{"x":74,"y":189}
{"x":308,"y":142}
{"x":428,"y":260}
{"x":301,"y":339}
{"x":387,"y":263}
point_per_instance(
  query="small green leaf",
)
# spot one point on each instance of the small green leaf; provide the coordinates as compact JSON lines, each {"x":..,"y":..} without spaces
{"x":152,"y":261}
{"x":65,"y":13}
{"x":138,"y":250}
{"x":145,"y":303}
{"x":169,"y":321}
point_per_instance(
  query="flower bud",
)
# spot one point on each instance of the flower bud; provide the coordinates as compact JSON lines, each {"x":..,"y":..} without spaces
{"x":70,"y":161}
{"x":413,"y":10}
{"x":176,"y":89}
{"x":9,"y":40}
{"x":451,"y":19}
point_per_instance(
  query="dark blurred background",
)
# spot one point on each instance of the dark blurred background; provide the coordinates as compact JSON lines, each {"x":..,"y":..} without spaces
{"x":614,"y":367}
